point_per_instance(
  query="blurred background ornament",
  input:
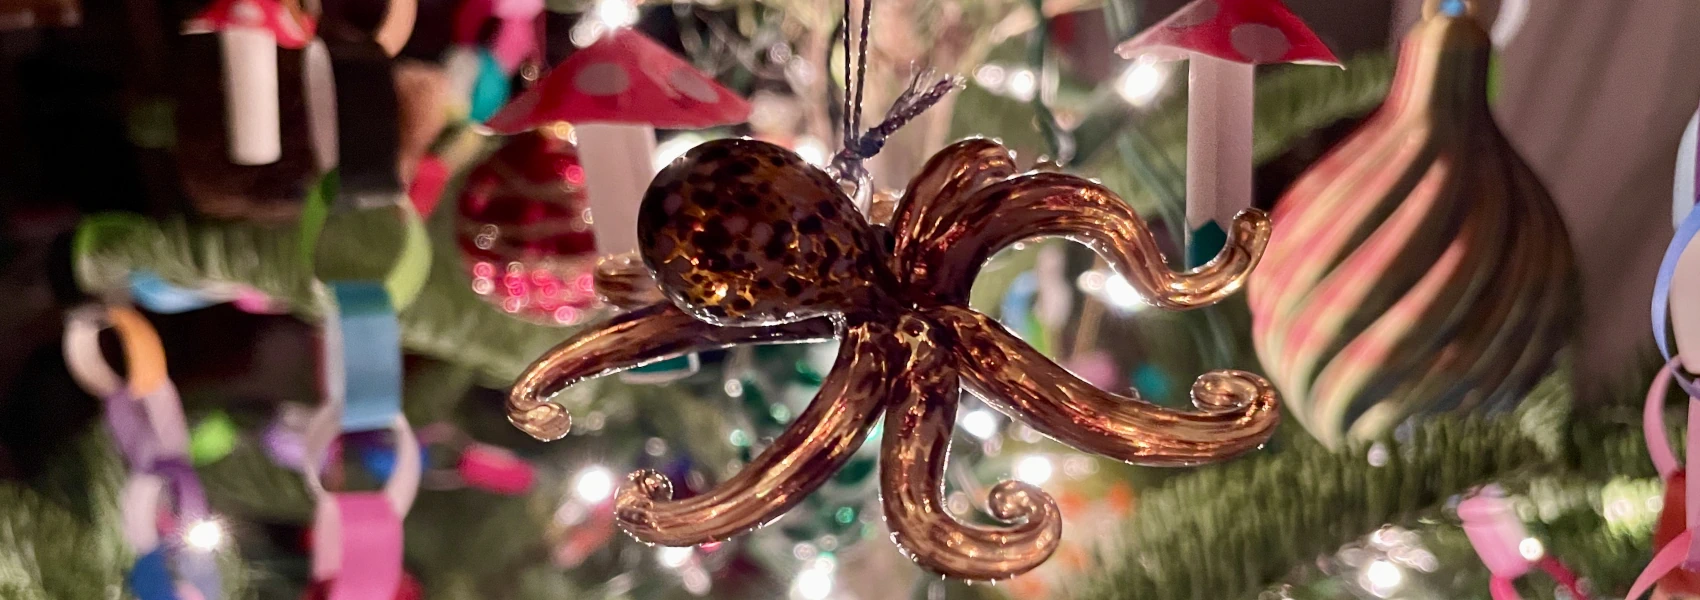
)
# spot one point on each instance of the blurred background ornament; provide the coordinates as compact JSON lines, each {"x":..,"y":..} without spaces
{"x":1421,"y":266}
{"x":524,"y":229}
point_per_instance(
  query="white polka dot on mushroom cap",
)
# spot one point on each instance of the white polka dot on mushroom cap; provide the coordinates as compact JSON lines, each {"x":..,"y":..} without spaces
{"x":245,"y":13}
{"x":692,"y":84}
{"x":602,"y":79}
{"x":1197,"y":14}
{"x":1259,"y":42}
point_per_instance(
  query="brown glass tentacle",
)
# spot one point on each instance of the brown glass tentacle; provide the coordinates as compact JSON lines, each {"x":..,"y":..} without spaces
{"x":939,"y":191}
{"x":1236,"y":410}
{"x":808,"y":453}
{"x":1056,"y":204}
{"x":633,"y":339}
{"x":913,"y":452}
{"x":624,"y":282}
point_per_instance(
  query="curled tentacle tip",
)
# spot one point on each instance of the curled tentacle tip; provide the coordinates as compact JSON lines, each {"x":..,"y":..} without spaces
{"x":1228,"y":390}
{"x":546,"y":422}
{"x":1012,"y":501}
{"x":634,"y":504}
{"x":646,"y":486}
{"x":1251,"y":231}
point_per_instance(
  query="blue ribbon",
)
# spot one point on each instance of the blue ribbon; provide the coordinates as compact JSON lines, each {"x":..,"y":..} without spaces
{"x":371,"y":354}
{"x":150,"y":579}
{"x":1685,"y":234}
{"x":160,"y":296}
{"x":1016,"y":311}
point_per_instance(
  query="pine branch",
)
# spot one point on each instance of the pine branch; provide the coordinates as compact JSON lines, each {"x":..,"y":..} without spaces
{"x":1232,"y":530}
{"x":448,"y":321}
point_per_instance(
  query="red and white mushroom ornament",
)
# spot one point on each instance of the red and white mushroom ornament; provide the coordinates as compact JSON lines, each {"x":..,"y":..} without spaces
{"x":1224,"y":39}
{"x":249,"y":33}
{"x":615,"y":92}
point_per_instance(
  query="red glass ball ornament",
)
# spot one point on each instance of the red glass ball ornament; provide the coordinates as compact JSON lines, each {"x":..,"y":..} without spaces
{"x":524,"y":229}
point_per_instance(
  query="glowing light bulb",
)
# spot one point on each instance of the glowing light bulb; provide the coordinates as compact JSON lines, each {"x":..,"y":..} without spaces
{"x":812,"y":151}
{"x":616,"y":13}
{"x":675,"y":147}
{"x":980,"y":424}
{"x":594,"y":485}
{"x":1022,"y":85}
{"x":205,"y":535}
{"x":1531,"y":549}
{"x":1141,"y":82}
{"x":673,"y":557}
{"x":1034,"y":469}
{"x":815,"y":581}
{"x":1383,"y":577}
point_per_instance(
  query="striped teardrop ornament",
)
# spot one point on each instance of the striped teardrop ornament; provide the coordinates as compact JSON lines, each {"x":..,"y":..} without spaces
{"x":1421,"y":266}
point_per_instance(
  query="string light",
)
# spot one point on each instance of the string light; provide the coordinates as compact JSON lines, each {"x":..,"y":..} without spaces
{"x":616,"y":13}
{"x":1022,"y":85}
{"x":1383,"y":578}
{"x":594,"y":485}
{"x":980,"y":423}
{"x":673,"y":557}
{"x":815,"y":580}
{"x":812,"y":150}
{"x":1141,"y":82}
{"x":205,"y":535}
{"x":1034,"y":469}
{"x":1531,"y":549}
{"x":675,"y":147}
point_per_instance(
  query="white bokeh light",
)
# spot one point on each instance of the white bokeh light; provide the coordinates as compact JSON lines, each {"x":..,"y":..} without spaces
{"x":815,"y":581}
{"x":1383,"y":578}
{"x":1121,"y":294}
{"x":616,"y":13}
{"x":1022,"y":85}
{"x":204,"y":535}
{"x":980,"y":423}
{"x":673,"y":557}
{"x":1531,"y":549}
{"x":1034,"y":469}
{"x":675,"y":147}
{"x":594,"y":485}
{"x":1141,"y":83}
{"x":812,"y":150}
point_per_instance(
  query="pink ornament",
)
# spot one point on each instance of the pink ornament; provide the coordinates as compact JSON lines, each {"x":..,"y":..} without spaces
{"x":495,"y":470}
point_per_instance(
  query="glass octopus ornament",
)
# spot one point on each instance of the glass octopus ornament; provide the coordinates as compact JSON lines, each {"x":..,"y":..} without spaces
{"x":1420,"y":266}
{"x":751,"y":244}
{"x":525,"y":232}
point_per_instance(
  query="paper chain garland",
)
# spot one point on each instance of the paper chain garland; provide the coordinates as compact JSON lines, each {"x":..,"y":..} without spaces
{"x":162,"y":495}
{"x":357,"y":536}
{"x":1677,"y":276}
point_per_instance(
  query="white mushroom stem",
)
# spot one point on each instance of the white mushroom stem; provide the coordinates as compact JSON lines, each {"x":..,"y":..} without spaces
{"x":320,"y":85}
{"x":250,"y":95}
{"x":1218,"y":141}
{"x":618,"y":162}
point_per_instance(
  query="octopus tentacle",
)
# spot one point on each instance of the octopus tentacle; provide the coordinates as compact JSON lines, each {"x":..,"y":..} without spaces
{"x":808,"y":453}
{"x":629,"y":340}
{"x":914,"y":449}
{"x":1056,"y":204}
{"x":937,"y":193}
{"x":1236,"y":410}
{"x":624,"y":282}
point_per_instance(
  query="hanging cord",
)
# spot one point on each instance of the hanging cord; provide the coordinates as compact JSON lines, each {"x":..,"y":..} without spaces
{"x":926,"y":88}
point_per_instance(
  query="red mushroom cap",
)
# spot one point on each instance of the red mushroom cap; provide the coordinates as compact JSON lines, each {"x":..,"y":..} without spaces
{"x":1257,"y":32}
{"x":292,"y":30}
{"x":626,"y":78}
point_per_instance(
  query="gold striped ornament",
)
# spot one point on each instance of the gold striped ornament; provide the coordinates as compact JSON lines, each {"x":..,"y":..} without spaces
{"x":1421,"y":266}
